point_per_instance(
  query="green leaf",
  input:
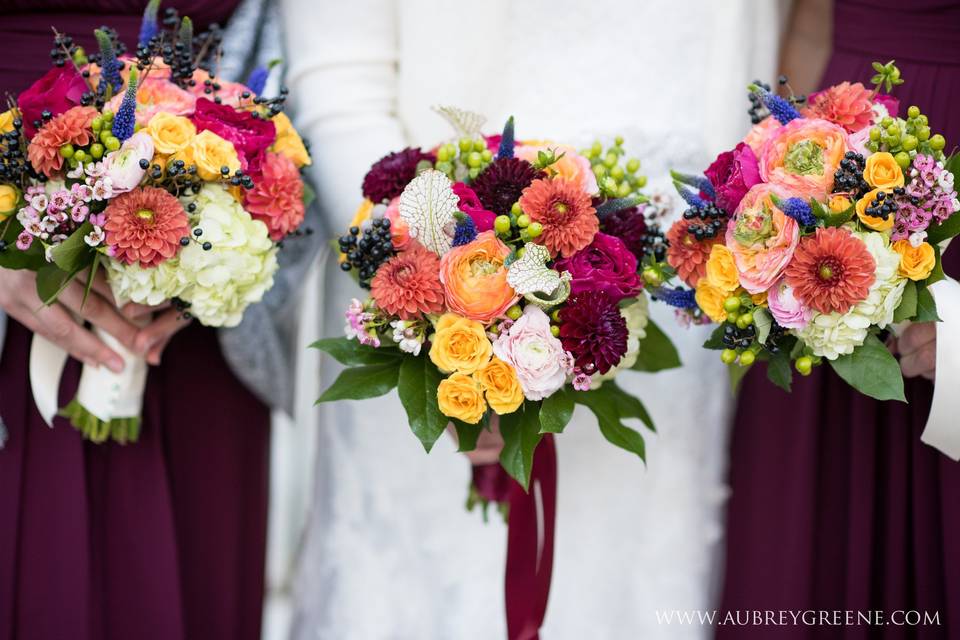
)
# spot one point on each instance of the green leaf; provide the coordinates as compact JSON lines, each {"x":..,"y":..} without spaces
{"x":779,"y":371}
{"x":521,"y":435}
{"x":937,"y":274}
{"x":908,"y":305}
{"x":926,"y":307}
{"x":360,"y":383}
{"x":352,"y":353}
{"x":467,"y":434}
{"x":51,"y":281}
{"x":872,"y":370}
{"x":763,"y":321}
{"x":629,"y":405}
{"x":830,"y":218}
{"x":715,"y":341}
{"x":657,"y":351}
{"x":556,"y":411}
{"x":91,"y":276}
{"x":32,"y":259}
{"x":309,"y":195}
{"x":606,"y":408}
{"x":736,"y":376}
{"x":74,"y":254}
{"x":937,"y":233}
{"x":417,"y":387}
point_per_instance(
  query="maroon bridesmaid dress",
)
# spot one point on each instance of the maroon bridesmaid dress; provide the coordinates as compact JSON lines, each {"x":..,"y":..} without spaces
{"x":163,"y":539}
{"x":836,"y":503}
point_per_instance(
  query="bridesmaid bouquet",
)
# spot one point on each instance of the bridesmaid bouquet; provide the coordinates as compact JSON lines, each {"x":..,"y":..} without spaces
{"x":817,"y":232}
{"x":503,"y":279}
{"x":178,"y":184}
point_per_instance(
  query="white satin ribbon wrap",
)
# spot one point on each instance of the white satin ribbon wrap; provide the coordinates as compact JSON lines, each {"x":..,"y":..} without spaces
{"x":105,"y":394}
{"x":943,"y":425}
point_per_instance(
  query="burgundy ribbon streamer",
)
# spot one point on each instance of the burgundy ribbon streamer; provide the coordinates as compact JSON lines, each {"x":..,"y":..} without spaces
{"x":530,"y":534}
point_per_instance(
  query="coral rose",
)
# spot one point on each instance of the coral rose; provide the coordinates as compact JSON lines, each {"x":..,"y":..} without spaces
{"x":277,"y":196}
{"x":762,"y":239}
{"x":722,"y":269}
{"x":461,"y":397}
{"x":460,"y":344}
{"x":802,"y":156}
{"x":500,"y":385}
{"x":475,"y":278}
{"x":917,"y":262}
{"x":882,"y":171}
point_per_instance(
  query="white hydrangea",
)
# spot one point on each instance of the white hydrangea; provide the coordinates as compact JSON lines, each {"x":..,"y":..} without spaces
{"x":637,"y":315}
{"x":218,"y":284}
{"x":832,"y":335}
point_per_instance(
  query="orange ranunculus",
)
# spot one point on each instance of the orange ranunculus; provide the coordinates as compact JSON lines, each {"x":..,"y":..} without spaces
{"x":475,"y":279}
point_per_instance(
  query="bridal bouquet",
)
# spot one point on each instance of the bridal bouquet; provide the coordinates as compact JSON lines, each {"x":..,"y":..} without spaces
{"x":817,"y":232}
{"x":177,"y":184}
{"x":503,"y":279}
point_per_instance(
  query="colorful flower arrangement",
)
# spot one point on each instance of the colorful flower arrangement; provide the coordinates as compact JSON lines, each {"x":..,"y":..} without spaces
{"x":178,"y":184}
{"x":504,"y":280}
{"x":817,"y":233}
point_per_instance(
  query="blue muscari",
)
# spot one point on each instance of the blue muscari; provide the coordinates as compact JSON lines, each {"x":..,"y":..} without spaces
{"x":109,"y":66}
{"x":679,"y":297}
{"x":126,"y":117}
{"x":697,"y":182}
{"x":149,"y":26}
{"x":780,"y":108}
{"x":257,"y":80}
{"x":506,"y":141}
{"x":799,"y":210}
{"x":691,"y":198}
{"x":464,"y":232}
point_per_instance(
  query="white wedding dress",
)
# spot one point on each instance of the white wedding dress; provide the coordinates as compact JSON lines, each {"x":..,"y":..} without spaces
{"x":390,"y":552}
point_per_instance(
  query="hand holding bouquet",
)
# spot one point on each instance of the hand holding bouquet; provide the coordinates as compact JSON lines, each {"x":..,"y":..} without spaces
{"x":504,"y":280}
{"x":816,"y":234}
{"x":178,"y":184}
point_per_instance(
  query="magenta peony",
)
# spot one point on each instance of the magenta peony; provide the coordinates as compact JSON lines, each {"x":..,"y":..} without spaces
{"x":250,"y":136}
{"x":604,"y":265}
{"x":732,"y":174}
{"x":58,"y":90}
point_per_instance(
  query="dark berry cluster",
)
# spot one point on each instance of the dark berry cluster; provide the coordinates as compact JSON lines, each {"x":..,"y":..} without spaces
{"x":206,"y":245}
{"x":736,"y":338}
{"x":883,"y":206}
{"x":655,"y":242}
{"x":13,"y":162}
{"x":777,"y":333}
{"x":182,"y":307}
{"x":273,"y":105}
{"x":848,"y":178}
{"x":707,"y":220}
{"x":63,"y":49}
{"x":368,"y":250}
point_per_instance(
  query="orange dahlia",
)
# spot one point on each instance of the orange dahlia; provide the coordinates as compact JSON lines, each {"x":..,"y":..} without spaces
{"x":845,"y":104}
{"x":73,"y":126}
{"x":408,"y":284}
{"x":688,"y":255}
{"x":145,"y":226}
{"x":831,"y":270}
{"x":566,"y":213}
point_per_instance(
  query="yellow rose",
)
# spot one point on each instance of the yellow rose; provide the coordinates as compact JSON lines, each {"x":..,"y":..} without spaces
{"x":722,"y":269}
{"x":877,"y":224}
{"x":838,"y":204}
{"x":710,"y":299}
{"x":9,"y":197}
{"x":502,"y":387}
{"x":916,"y":263}
{"x":170,"y":133}
{"x":6,"y":121}
{"x":882,"y":171}
{"x":288,"y":141}
{"x":209,"y":152}
{"x":460,"y":344}
{"x":759,"y":299}
{"x":460,"y":397}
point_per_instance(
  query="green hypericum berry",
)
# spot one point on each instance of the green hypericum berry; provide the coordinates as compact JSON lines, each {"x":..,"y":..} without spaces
{"x":479,"y":144}
{"x":555,"y":330}
{"x":886,"y":122}
{"x":523,"y":220}
{"x":902,"y":158}
{"x":466,"y":145}
{"x":923,"y":133}
{"x":624,"y":190}
{"x":104,"y":134}
{"x":633,"y":165}
{"x":731,"y":304}
{"x":107,"y":115}
{"x":804,"y":365}
{"x":745,"y":320}
{"x":112,"y":143}
{"x":445,"y":166}
{"x":893,"y":130}
{"x":443,"y":154}
{"x":514,"y":312}
{"x":599,"y":170}
{"x":473,"y":172}
{"x":97,"y":124}
{"x":922,"y":120}
{"x":728,"y":356}
{"x":618,"y":141}
{"x":79,"y":155}
{"x":515,"y":209}
{"x":502,"y":225}
{"x":535,"y":229}
{"x":913,"y":111}
{"x":875,"y":134}
{"x":474,"y":159}
{"x":747,"y":358}
{"x":596,"y":149}
{"x":555,"y":315}
{"x":609,"y":185}
{"x":909,"y":142}
{"x":732,"y":317}
{"x":937,"y":142}
{"x":487,"y":155}
{"x":66,"y":151}
{"x":96,"y":150}
{"x":610,"y":160}
{"x":617,"y":173}
{"x":652,"y":277}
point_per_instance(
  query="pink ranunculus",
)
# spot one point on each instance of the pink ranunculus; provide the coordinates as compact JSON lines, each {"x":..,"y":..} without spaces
{"x":541,"y":364}
{"x":470,"y":204}
{"x":123,"y":165}
{"x":891,"y":103}
{"x":759,"y":134}
{"x":604,"y":265}
{"x":785,"y":308}
{"x":399,"y":231}
{"x":56,"y":91}
{"x":277,"y":196}
{"x":802,"y":156}
{"x":570,"y":165}
{"x":762,"y":239}
{"x":732,"y":174}
{"x":250,"y":136}
{"x":156,"y":94}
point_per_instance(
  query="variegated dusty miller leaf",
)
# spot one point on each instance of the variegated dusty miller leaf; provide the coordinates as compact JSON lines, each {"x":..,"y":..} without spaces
{"x":467,"y":124}
{"x":428,"y":205}
{"x":531,"y":274}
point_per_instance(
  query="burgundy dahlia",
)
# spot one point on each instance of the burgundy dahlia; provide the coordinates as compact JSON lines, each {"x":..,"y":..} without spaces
{"x":502,"y":182}
{"x":593,"y":331}
{"x":630,"y":226}
{"x":389,"y":176}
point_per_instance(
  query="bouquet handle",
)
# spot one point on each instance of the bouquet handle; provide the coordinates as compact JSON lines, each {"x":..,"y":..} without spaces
{"x":107,"y":404}
{"x":530,"y":537}
{"x":942,"y":431}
